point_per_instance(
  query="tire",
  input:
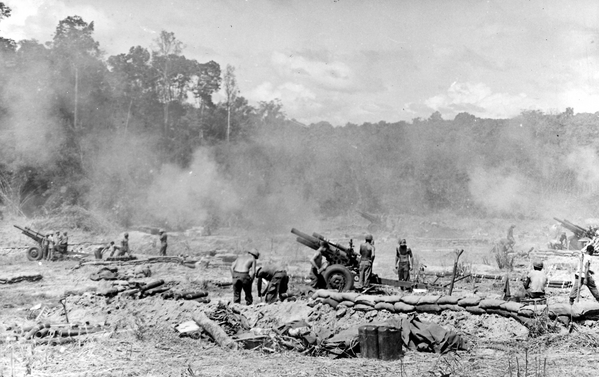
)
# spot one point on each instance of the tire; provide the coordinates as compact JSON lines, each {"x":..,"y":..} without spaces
{"x":339,"y":278}
{"x":34,"y":253}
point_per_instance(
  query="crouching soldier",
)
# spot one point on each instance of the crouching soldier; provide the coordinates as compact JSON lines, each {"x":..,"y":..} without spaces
{"x":243,"y":271}
{"x":277,"y":286}
{"x":535,"y":281}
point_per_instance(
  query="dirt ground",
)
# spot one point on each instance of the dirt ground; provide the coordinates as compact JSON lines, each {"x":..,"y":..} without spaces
{"x":142,"y":340}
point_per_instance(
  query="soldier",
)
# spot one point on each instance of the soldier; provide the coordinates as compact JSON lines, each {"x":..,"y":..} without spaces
{"x":366,"y":259}
{"x":278,"y":282}
{"x":63,"y":243}
{"x":51,"y":245}
{"x":404,"y":261}
{"x":318,"y":265}
{"x":57,"y":241}
{"x":586,"y":264}
{"x":535,"y":281}
{"x":243,"y":271}
{"x":163,"y":243}
{"x":511,"y":241}
{"x":112,"y":248}
{"x":45,"y":243}
{"x":124,"y":245}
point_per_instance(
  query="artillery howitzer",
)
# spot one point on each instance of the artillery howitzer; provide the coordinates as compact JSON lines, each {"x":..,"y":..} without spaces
{"x":578,"y":231}
{"x":342,"y":262}
{"x":34,"y":253}
{"x":376,"y":221}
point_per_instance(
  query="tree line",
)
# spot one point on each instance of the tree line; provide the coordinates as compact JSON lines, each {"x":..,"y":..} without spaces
{"x":105,"y":125}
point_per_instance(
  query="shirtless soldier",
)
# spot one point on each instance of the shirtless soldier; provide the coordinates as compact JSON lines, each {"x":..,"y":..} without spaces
{"x":366,"y":258}
{"x":243,"y":271}
{"x":318,"y":265}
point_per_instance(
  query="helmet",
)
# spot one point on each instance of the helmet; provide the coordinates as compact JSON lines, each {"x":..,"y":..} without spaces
{"x":255,"y":253}
{"x":368,"y":237}
{"x":161,"y":231}
{"x":65,"y":233}
{"x":538,"y":264}
{"x":126,"y":235}
{"x":513,"y":226}
{"x":590,"y":249}
{"x":403,"y":241}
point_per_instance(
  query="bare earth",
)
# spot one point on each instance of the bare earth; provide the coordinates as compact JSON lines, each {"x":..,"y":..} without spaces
{"x":142,"y":340}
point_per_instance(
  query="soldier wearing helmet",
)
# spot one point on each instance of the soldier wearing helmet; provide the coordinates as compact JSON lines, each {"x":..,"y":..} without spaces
{"x":125,"y":245}
{"x":535,"y":281}
{"x":367,"y":254}
{"x":243,"y":271}
{"x":63,"y":243}
{"x":163,"y":243}
{"x":404,"y":261}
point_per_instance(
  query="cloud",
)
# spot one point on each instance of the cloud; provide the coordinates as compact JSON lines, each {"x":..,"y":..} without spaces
{"x":478,"y":99}
{"x":298,"y":101}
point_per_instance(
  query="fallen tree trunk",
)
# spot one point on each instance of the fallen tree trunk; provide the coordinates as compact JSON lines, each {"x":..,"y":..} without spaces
{"x":178,"y":260}
{"x":215,"y":331}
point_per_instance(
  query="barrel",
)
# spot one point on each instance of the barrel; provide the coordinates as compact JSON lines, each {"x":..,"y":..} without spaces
{"x":369,"y":346}
{"x":389,"y":343}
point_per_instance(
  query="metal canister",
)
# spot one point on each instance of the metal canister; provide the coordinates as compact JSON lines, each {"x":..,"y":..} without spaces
{"x":369,"y":346}
{"x":389,"y":343}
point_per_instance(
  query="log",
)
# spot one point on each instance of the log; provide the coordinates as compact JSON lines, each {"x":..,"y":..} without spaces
{"x":216,"y":332}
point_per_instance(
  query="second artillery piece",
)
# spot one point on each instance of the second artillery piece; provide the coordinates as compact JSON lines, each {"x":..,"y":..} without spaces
{"x":579,"y":233}
{"x":34,"y":253}
{"x":342,"y":262}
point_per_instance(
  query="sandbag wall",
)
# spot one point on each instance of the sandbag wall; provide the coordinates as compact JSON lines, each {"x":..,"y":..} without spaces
{"x":55,"y":334}
{"x":472,"y":304}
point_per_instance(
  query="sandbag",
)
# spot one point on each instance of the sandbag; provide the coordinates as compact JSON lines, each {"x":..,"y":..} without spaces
{"x":349,"y":304}
{"x":402,"y":307}
{"x":586,"y":310}
{"x":332,"y":303}
{"x":470,"y":301}
{"x":365,"y":300}
{"x":455,"y":308}
{"x":531,"y":310}
{"x":385,"y":306}
{"x":322,"y":293}
{"x":490,"y":303}
{"x":349,"y":296}
{"x":511,"y":306}
{"x":363,"y":308}
{"x":428,"y":308}
{"x":556,"y":310}
{"x":336,"y":296}
{"x":428,"y":299}
{"x":393,"y":299}
{"x":501,"y":312}
{"x":451,"y":300}
{"x":411,"y":299}
{"x":475,"y":310}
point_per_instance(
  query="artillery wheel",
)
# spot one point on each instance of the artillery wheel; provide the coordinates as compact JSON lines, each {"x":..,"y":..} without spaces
{"x":339,"y":278}
{"x":34,"y":253}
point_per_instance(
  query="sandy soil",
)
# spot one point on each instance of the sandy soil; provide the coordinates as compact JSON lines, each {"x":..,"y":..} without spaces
{"x":142,"y":340}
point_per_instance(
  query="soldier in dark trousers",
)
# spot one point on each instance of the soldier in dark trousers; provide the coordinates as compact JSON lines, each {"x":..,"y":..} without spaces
{"x":243,"y":271}
{"x":124,"y":246}
{"x":404,"y":261}
{"x":163,"y":243}
{"x":45,"y":245}
{"x":318,"y":263}
{"x":278,"y":283}
{"x":366,"y":260}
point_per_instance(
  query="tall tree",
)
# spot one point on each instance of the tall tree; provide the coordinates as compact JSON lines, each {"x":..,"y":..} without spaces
{"x":168,"y":49}
{"x":231,"y":91}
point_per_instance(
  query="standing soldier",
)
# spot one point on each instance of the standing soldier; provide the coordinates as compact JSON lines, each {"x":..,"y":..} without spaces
{"x":125,"y":245}
{"x":163,"y":243}
{"x":57,"y":241}
{"x":584,"y":275}
{"x":278,"y":282}
{"x":64,"y":243}
{"x":243,"y":271}
{"x":511,"y":241}
{"x":404,"y":261}
{"x":51,"y":246}
{"x":318,"y":265}
{"x":366,"y":260}
{"x":45,"y":243}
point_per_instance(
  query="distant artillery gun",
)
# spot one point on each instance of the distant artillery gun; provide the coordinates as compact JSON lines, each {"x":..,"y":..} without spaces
{"x":34,"y":253}
{"x":580,"y":234}
{"x":342,"y":262}
{"x":377,"y":222}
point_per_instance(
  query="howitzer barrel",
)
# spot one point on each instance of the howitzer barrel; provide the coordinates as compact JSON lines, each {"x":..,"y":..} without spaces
{"x":320,"y":237}
{"x":36,"y":236}
{"x":308,"y":243}
{"x":369,"y":217}
{"x":305,"y":236}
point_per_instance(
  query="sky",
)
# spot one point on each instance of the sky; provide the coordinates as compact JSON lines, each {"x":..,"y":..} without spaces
{"x":350,"y":61}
